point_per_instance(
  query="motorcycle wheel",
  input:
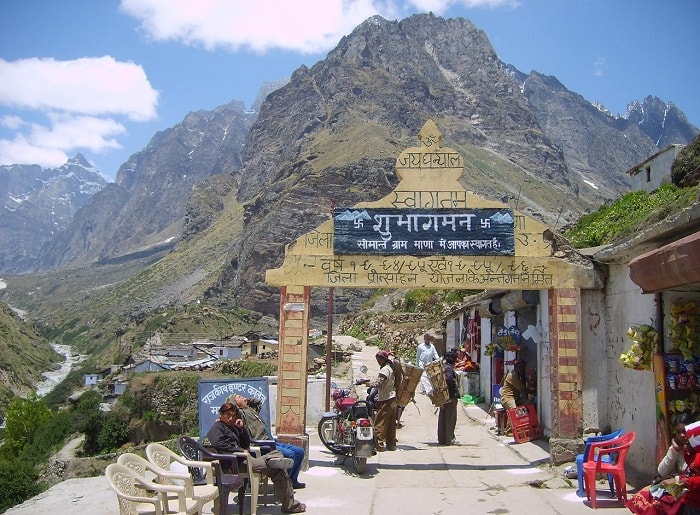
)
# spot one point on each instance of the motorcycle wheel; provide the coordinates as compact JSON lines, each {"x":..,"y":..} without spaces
{"x":360,"y":464}
{"x":327,"y":431}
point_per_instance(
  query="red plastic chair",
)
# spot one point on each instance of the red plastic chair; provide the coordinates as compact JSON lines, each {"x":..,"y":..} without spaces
{"x":616,"y":449}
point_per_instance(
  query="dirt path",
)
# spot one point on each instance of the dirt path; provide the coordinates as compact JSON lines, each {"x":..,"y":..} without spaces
{"x":67,"y":453}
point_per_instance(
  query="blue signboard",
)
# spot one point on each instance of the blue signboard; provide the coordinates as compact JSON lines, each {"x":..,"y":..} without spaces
{"x":213,"y":393}
{"x":424,"y":232}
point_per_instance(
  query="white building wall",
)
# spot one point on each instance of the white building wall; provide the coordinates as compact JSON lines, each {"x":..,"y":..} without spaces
{"x":452,"y":332}
{"x":631,"y":401}
{"x":656,"y":171}
{"x":315,"y":401}
{"x":594,"y":370}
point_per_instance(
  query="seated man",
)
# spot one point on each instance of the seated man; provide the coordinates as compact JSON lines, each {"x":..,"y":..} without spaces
{"x":229,"y":434}
{"x":260,"y":431}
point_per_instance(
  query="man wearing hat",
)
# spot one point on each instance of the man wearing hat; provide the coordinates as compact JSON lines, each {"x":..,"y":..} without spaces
{"x":385,"y":418}
{"x":229,"y":434}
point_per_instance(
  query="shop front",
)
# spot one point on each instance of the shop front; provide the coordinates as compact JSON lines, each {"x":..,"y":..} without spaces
{"x":642,"y":337}
{"x":499,"y":329}
{"x":671,"y":347}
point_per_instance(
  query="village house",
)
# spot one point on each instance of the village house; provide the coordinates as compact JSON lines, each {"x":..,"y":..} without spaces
{"x":655,"y":170}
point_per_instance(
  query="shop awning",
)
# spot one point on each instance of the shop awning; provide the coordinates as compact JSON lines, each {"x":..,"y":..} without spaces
{"x":673,"y":265}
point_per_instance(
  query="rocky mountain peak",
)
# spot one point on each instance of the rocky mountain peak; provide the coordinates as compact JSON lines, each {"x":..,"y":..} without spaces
{"x":40,"y":202}
{"x":662,"y":121}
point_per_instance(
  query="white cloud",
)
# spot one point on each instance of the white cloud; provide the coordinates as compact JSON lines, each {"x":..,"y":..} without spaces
{"x":307,"y":26}
{"x":90,"y":85}
{"x":73,"y":105}
{"x":50,"y":146}
{"x":599,"y":67}
{"x":440,"y":6}
{"x":11,"y":122}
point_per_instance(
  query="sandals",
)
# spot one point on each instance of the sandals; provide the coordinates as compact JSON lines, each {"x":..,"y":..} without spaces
{"x":297,"y":508}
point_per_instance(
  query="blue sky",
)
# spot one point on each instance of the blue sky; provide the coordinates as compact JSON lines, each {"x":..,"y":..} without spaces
{"x":101,"y":77}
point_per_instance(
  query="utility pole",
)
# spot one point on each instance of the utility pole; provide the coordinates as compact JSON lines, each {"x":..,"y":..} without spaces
{"x":329,"y":349}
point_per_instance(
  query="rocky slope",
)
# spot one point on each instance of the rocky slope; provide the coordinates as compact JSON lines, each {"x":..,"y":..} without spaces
{"x":331,"y":136}
{"x":24,"y":354}
{"x":221,"y":194}
{"x":36,"y":204}
{"x":145,"y":209}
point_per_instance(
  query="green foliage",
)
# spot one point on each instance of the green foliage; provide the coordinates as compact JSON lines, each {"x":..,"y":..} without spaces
{"x":91,"y":425}
{"x":23,"y":418}
{"x":425,"y":301}
{"x":59,"y":395}
{"x":256,"y":369}
{"x":114,"y":432}
{"x":628,"y":215}
{"x":33,"y":434}
{"x":457,"y":296}
{"x":49,"y":437}
{"x":685,"y":163}
{"x":19,"y":482}
{"x":358,"y":330}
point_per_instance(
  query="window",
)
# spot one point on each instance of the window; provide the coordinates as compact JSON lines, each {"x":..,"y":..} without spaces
{"x":648,"y":171}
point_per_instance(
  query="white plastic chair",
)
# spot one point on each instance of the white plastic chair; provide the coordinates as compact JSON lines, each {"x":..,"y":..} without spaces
{"x":134,"y":494}
{"x":200,"y":493}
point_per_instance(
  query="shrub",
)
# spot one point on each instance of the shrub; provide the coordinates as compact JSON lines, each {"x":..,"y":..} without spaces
{"x":23,"y":418}
{"x":114,"y":432}
{"x":19,"y":482}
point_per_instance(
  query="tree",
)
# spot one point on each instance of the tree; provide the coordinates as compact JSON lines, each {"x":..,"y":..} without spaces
{"x":113,"y":433}
{"x":23,"y":418}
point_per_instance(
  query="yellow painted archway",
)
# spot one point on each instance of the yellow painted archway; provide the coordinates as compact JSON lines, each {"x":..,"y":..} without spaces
{"x":430,"y":232}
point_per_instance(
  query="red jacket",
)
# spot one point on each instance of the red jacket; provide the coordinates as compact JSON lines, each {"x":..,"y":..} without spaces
{"x":692,"y":481}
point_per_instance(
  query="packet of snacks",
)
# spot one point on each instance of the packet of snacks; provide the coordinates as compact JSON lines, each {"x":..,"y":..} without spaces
{"x":693,"y":432}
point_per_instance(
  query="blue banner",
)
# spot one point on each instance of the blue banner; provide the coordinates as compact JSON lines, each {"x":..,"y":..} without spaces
{"x":213,"y":393}
{"x":424,"y":232}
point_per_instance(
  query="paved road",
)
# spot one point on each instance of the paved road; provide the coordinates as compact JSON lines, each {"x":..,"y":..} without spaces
{"x":482,"y":474}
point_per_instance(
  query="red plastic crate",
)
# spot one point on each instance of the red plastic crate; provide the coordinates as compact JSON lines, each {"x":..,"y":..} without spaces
{"x":524,"y":423}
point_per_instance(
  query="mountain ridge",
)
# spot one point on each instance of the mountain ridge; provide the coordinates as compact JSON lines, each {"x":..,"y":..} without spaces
{"x":328,"y":138}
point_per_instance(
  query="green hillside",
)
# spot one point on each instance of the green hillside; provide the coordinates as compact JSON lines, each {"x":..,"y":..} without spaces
{"x":24,"y":353}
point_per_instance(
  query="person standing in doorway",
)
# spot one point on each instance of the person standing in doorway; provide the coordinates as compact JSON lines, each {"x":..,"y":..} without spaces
{"x":447,"y":417}
{"x":385,"y":417}
{"x":513,"y":391}
{"x":425,"y":353}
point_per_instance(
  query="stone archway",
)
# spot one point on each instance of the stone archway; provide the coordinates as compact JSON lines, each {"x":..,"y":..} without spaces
{"x":430,"y":232}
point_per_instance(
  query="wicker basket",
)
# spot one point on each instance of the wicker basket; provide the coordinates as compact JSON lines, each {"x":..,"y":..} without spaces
{"x":411,"y":378}
{"x":436,"y":373}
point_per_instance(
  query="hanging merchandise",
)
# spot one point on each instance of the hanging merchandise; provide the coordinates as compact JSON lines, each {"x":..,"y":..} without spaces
{"x":645,"y":341}
{"x":685,"y":329}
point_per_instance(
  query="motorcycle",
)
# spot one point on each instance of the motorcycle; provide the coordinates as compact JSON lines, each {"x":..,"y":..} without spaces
{"x":348,"y":429}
